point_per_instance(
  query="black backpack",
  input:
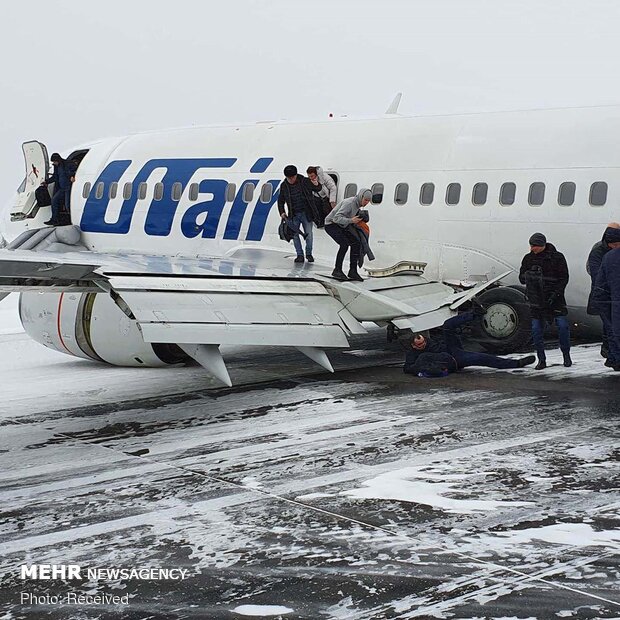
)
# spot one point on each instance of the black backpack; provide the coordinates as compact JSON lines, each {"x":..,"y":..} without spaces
{"x":42,"y":196}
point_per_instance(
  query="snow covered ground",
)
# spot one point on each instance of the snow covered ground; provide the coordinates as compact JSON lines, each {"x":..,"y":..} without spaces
{"x":366,"y":494}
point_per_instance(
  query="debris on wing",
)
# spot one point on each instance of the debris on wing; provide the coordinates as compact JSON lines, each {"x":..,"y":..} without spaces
{"x":407,"y":267}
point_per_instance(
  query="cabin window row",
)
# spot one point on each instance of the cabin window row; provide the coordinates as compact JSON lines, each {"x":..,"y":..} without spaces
{"x":479,"y":195}
{"x":508,"y":194}
{"x":176,"y":191}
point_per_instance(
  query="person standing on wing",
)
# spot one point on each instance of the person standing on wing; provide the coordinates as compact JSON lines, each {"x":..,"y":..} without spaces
{"x":336,"y":223}
{"x":296,"y":194}
{"x":545,"y":274}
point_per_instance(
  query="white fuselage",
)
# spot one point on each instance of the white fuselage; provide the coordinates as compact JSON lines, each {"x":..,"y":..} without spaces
{"x":459,"y":242}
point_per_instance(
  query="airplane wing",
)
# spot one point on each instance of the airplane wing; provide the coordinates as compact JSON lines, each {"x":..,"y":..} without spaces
{"x":251,"y":297}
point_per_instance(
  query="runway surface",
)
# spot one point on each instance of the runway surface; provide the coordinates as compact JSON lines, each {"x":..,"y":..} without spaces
{"x":363,"y":494}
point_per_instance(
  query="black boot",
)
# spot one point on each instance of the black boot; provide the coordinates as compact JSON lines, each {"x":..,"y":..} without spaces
{"x":51,"y":223}
{"x":310,"y":258}
{"x":542,"y":363}
{"x":353,"y":275}
{"x":339,"y":274}
{"x":299,"y":259}
{"x":527,"y":360}
{"x":568,"y":362}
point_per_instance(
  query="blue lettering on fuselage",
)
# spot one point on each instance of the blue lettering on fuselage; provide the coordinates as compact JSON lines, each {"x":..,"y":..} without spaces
{"x":161,"y":213}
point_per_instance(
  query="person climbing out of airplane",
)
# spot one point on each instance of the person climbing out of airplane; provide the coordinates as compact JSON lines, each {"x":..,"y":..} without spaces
{"x":595,"y":258}
{"x":320,"y":196}
{"x":317,"y":175}
{"x":340,"y":226}
{"x":605,"y":297}
{"x":63,"y":178}
{"x":296,"y":195}
{"x":544,"y":272}
{"x":444,"y":354}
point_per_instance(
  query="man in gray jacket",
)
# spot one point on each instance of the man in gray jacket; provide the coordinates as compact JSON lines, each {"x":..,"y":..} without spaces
{"x":336,"y":223}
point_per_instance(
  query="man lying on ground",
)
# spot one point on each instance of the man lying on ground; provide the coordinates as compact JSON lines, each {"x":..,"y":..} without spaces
{"x":438,"y":357}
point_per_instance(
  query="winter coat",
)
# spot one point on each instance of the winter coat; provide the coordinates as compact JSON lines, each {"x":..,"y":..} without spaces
{"x":62,"y":175}
{"x":429,"y":364}
{"x":327,"y":183}
{"x":434,"y":345}
{"x":284,"y":197}
{"x":362,"y":238}
{"x":606,"y":291}
{"x":287,"y":230}
{"x":595,"y":258}
{"x":545,"y":276}
{"x":344,"y":211}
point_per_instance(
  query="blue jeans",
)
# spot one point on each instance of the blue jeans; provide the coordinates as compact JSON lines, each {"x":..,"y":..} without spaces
{"x":538,"y":333}
{"x":469,"y":358}
{"x":300,"y":220}
{"x":613,"y":342}
{"x":61,"y":197}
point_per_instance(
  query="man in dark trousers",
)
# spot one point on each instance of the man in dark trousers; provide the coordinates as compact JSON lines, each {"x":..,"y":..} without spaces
{"x":63,"y":178}
{"x":545,"y":274}
{"x":439,"y":356}
{"x":597,"y":253}
{"x":605,"y":298}
{"x":296,"y":194}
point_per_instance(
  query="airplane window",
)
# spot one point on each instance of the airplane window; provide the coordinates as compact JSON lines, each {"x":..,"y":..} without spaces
{"x":598,"y":193}
{"x":266,"y":192}
{"x":231,"y":190}
{"x":177,"y":191}
{"x":377,"y":193}
{"x":536,"y":195}
{"x":507,"y":194}
{"x":113,"y":190}
{"x":127,"y":189}
{"x":427,"y":194}
{"x":158,"y":191}
{"x":193,"y":192}
{"x":86,"y":190}
{"x":248,"y":192}
{"x":142,"y":191}
{"x":350,"y":190}
{"x":401,"y":193}
{"x":566,"y":195}
{"x":99,"y":190}
{"x":453,"y":193}
{"x":479,"y":194}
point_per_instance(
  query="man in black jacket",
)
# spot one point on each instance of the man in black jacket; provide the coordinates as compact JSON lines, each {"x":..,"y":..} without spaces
{"x":545,"y":274}
{"x":438,"y":357}
{"x":595,"y":258}
{"x":296,"y":194}
{"x":63,"y":178}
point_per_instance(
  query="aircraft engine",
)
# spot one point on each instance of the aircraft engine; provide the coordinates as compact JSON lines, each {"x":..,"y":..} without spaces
{"x":91,"y":326}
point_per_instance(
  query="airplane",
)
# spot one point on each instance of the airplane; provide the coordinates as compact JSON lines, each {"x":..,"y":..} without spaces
{"x":173,"y":247}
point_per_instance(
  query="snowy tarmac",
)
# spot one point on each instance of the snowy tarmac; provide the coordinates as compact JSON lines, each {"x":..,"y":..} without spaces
{"x":298,"y":494}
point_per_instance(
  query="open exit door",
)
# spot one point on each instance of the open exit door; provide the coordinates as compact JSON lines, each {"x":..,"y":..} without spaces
{"x":37,"y":167}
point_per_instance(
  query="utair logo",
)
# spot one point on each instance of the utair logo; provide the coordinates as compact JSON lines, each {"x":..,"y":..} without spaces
{"x":161,"y":213}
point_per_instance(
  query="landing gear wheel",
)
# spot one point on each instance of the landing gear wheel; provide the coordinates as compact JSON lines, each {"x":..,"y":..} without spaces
{"x":506,"y":326}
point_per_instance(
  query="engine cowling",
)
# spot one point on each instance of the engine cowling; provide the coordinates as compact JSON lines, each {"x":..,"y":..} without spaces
{"x":91,"y":326}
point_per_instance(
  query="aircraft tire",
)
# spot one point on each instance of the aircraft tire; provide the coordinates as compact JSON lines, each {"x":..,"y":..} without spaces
{"x":506,"y":326}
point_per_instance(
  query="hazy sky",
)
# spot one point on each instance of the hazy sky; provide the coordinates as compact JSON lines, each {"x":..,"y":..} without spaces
{"x":75,"y":70}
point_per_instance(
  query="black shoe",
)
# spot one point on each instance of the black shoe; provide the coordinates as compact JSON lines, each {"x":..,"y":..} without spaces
{"x":568,"y":362}
{"x":51,"y":223}
{"x":310,"y":258}
{"x":339,"y":275}
{"x":609,"y":363}
{"x":353,"y":275}
{"x":299,"y":259}
{"x":542,"y":364}
{"x":616,"y":367}
{"x":526,"y":361}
